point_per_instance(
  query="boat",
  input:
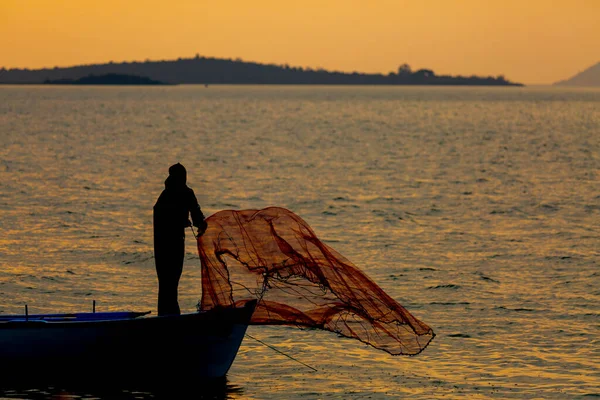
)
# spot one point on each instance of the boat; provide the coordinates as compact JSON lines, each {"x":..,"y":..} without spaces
{"x":130,"y":346}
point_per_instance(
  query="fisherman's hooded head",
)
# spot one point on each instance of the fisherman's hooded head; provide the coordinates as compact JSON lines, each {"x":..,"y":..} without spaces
{"x":177,"y":175}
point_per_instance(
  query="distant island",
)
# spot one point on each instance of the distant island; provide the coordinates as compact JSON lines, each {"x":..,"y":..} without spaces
{"x":107,"y":79}
{"x":206,"y":70}
{"x":588,"y":77}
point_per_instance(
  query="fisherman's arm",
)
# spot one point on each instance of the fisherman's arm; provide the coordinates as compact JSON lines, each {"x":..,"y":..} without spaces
{"x":196,"y":213}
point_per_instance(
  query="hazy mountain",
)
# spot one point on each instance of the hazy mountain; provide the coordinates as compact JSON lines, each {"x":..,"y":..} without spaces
{"x":205,"y":70}
{"x":589,"y":77}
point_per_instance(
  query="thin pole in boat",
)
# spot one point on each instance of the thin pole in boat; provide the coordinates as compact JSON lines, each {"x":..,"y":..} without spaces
{"x":26,"y":313}
{"x":281,"y":352}
{"x":94,"y":306}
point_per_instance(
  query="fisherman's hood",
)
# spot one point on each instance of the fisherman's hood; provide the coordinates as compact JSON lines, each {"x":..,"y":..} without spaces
{"x":177,"y":176}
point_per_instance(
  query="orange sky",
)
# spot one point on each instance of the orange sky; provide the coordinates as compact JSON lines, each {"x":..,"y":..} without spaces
{"x":529,"y":41}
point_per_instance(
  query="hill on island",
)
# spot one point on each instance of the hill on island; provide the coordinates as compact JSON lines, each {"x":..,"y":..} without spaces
{"x":205,"y":70}
{"x":108,"y":79}
{"x":588,"y":77}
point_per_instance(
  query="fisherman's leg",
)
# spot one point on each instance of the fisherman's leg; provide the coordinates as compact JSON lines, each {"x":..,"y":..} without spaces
{"x":164,"y":283}
{"x":166,"y":295}
{"x":166,"y":259}
{"x":176,"y":275}
{"x":169,"y":266}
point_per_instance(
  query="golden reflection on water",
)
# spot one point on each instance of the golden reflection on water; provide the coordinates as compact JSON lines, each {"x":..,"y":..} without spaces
{"x":220,"y":389}
{"x":475,"y":208}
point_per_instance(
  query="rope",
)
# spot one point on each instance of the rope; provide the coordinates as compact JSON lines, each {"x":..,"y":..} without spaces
{"x":281,"y":352}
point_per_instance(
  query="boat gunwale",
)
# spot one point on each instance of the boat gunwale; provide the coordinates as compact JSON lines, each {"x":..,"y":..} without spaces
{"x":235,"y":315}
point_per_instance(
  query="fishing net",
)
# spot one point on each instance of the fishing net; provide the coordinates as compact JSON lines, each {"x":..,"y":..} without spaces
{"x":274,"y":256}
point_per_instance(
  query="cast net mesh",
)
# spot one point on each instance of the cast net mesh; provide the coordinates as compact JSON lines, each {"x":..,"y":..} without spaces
{"x":274,"y":256}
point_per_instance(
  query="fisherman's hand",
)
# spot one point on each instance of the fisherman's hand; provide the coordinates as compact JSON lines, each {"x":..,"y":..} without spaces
{"x":202,"y":228}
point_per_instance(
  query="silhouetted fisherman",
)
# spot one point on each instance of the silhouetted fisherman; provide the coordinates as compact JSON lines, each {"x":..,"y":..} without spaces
{"x":171,"y":216}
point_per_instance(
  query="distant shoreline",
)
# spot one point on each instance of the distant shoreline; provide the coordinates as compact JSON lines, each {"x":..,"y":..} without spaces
{"x":261,"y":84}
{"x":213,"y":71}
{"x":108,"y":79}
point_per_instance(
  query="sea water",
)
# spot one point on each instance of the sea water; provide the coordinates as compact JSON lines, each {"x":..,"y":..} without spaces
{"x":476,"y":208}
